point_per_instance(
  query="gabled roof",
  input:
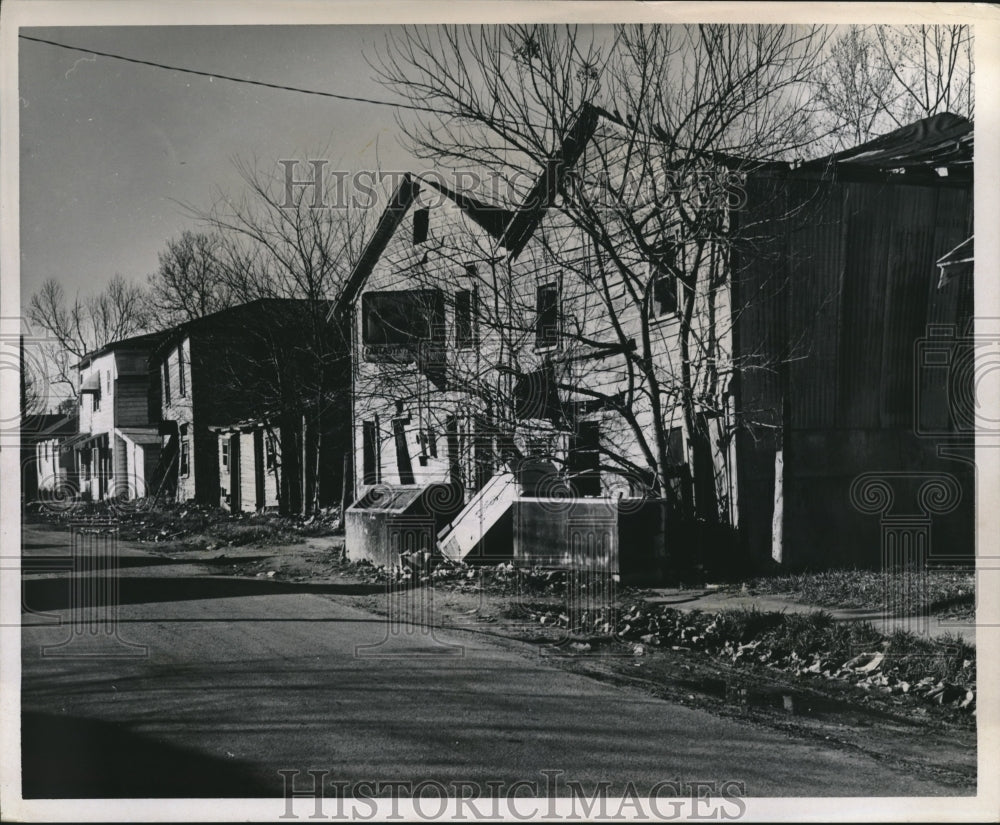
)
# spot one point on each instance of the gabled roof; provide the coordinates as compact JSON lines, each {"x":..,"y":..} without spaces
{"x":494,"y":219}
{"x":922,"y":147}
{"x":136,"y":342}
{"x":399,"y":202}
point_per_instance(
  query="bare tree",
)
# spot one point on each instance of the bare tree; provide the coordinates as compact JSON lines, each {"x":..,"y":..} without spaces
{"x":85,"y":324}
{"x":879,"y":78}
{"x":272,"y":241}
{"x":189,"y":282}
{"x":672,"y":117}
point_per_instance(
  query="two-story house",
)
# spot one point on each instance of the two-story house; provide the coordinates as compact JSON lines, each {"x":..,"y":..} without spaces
{"x":657,"y":363}
{"x":118,"y":445}
{"x":253,"y":406}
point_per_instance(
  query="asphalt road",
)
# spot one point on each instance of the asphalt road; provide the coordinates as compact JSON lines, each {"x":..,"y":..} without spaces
{"x":213,"y":684}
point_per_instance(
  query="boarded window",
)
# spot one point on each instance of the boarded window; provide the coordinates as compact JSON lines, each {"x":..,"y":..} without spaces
{"x":547,"y":316}
{"x":465,"y":318}
{"x":421,"y":225}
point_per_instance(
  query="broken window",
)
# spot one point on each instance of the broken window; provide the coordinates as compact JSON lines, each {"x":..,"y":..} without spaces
{"x":667,"y":295}
{"x":547,"y":315}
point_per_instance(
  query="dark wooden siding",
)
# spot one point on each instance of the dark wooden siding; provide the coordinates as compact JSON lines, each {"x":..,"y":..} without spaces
{"x":858,"y":259}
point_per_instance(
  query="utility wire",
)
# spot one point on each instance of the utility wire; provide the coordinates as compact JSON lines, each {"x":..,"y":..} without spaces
{"x":229,"y":77}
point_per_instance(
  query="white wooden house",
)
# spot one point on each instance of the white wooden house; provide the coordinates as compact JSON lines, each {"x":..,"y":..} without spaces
{"x":118,"y":445}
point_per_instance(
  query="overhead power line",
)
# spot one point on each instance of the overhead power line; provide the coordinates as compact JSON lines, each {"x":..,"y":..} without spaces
{"x":246,"y":80}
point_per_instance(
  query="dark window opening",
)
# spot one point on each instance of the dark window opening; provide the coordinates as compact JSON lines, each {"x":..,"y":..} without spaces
{"x":369,"y":449}
{"x":667,"y":290}
{"x":166,"y":381}
{"x":224,"y":447}
{"x":465,"y":318}
{"x":421,"y":225}
{"x":403,"y":317}
{"x":185,"y":457}
{"x":547,"y":316}
{"x":585,"y":459}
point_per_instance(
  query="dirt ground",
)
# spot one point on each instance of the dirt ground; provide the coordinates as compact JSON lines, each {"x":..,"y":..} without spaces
{"x":932,"y":741}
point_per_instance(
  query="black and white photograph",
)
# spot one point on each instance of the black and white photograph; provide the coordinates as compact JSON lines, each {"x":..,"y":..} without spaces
{"x":499,"y":411}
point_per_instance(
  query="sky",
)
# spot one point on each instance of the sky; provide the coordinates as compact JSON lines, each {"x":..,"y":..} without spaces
{"x":111,"y":151}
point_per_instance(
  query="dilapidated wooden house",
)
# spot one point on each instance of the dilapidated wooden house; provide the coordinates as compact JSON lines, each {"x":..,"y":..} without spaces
{"x":251,"y":403}
{"x":520,"y":354}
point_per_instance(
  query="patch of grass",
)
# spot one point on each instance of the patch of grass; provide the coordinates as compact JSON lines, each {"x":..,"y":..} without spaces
{"x":948,"y":592}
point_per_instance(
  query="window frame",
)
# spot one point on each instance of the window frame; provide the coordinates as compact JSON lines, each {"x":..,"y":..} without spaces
{"x":659,"y":274}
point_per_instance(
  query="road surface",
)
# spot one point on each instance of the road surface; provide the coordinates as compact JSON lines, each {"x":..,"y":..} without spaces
{"x":214,"y":684}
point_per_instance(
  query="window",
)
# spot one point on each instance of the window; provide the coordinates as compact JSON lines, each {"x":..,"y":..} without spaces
{"x":271,"y":452}
{"x":421,"y":225}
{"x":181,"y":379}
{"x":403,"y":318}
{"x":547,"y":316}
{"x":185,"y":457}
{"x":166,"y":381}
{"x":369,"y":450}
{"x":224,"y":450}
{"x":667,"y":298}
{"x":107,"y":381}
{"x":584,"y":461}
{"x":466,"y":332}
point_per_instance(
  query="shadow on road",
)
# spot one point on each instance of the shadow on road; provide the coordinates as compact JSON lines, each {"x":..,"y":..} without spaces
{"x":65,"y":757}
{"x":54,"y":593}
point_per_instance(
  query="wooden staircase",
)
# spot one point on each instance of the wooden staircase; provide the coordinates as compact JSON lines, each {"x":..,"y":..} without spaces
{"x":476,"y":519}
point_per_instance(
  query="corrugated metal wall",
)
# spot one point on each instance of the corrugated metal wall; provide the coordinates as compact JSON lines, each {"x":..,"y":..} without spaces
{"x":835,"y":290}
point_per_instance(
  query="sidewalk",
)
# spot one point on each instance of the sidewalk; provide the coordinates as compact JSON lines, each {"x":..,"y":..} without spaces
{"x":715,"y":600}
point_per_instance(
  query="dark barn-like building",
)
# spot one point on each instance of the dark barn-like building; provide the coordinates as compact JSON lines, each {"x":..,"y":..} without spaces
{"x":854,"y":358}
{"x":278,"y":361}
